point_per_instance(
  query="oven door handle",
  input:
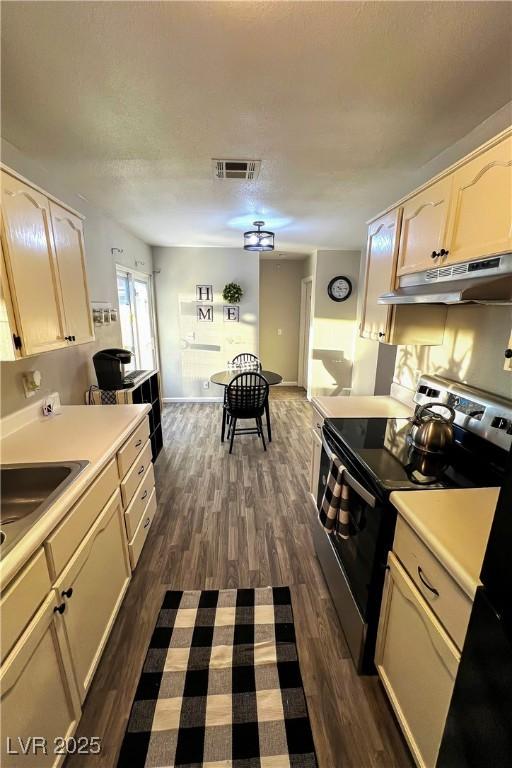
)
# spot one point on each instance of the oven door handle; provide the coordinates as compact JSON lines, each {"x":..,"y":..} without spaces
{"x":349,"y":479}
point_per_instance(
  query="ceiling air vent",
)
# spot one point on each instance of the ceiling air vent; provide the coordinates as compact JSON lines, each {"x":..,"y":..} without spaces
{"x":236,"y":169}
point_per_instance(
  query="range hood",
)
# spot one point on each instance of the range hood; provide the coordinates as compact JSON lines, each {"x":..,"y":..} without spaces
{"x":487,"y":281}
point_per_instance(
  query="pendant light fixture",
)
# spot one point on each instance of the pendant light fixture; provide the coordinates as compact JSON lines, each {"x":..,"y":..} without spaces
{"x":258,"y":239}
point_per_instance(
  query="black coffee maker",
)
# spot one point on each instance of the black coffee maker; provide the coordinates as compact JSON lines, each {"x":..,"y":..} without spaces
{"x":109,"y":366}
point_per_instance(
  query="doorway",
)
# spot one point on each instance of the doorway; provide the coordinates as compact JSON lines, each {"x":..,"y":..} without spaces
{"x":305,"y":332}
{"x":136,"y":317}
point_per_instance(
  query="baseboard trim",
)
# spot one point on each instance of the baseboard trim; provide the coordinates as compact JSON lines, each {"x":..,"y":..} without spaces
{"x":192,"y":399}
{"x":287,"y":384}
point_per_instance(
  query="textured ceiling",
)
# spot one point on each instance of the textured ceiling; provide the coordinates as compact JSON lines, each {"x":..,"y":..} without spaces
{"x":342,"y":102}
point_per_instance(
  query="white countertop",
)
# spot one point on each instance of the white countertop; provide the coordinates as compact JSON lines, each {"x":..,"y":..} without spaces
{"x":92,"y":433}
{"x":361,"y":406}
{"x":455,"y":525}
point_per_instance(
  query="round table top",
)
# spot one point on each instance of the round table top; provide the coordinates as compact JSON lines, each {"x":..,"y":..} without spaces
{"x":226,"y":377}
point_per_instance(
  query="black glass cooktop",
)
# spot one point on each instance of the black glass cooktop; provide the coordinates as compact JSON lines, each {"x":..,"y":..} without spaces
{"x":382,"y":450}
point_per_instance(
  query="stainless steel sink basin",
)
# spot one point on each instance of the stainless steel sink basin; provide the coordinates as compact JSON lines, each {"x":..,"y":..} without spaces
{"x":27,"y":491}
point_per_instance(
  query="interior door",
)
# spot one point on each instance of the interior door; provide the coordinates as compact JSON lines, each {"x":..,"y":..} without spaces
{"x":32,"y":267}
{"x":69,"y":247}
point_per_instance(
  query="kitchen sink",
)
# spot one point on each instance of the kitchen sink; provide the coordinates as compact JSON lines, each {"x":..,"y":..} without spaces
{"x":27,"y":491}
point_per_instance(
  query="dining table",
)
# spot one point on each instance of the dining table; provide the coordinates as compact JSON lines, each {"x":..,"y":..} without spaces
{"x":224,"y":378}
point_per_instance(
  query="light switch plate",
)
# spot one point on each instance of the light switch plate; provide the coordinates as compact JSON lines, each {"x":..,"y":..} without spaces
{"x":51,"y":405}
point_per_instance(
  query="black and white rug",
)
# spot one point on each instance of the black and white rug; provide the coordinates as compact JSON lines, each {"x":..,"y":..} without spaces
{"x":221,"y":685}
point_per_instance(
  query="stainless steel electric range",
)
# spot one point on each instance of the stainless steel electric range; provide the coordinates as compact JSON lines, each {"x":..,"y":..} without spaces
{"x":379,"y":459}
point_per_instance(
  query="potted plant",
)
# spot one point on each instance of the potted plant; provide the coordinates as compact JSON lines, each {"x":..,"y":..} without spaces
{"x":232,"y":293}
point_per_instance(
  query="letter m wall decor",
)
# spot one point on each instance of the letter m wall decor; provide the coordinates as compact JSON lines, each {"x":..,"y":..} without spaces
{"x":205,"y":313}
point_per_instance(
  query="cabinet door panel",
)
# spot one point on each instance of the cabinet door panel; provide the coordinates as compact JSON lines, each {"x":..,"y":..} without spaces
{"x":39,"y":697}
{"x":417,"y":663}
{"x":380,"y":274}
{"x":481,"y":213}
{"x":32,"y":267}
{"x":69,"y":247}
{"x":98,"y":574}
{"x":423,"y":227}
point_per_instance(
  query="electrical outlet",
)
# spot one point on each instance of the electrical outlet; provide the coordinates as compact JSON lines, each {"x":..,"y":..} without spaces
{"x":206,"y":385}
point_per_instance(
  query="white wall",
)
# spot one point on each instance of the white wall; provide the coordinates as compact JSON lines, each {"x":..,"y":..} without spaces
{"x":190,"y":351}
{"x":70,"y":371}
{"x":334,"y":324}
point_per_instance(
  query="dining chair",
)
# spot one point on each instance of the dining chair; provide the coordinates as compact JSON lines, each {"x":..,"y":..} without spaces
{"x":245,"y":357}
{"x":246,"y":396}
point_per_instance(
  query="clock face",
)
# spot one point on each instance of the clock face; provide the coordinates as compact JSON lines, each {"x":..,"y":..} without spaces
{"x":340,"y":288}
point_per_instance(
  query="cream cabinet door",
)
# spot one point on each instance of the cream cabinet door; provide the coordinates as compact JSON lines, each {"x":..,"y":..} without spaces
{"x":481,"y":211}
{"x":381,"y":257}
{"x":68,"y":237}
{"x":417,"y":663}
{"x":508,"y":355}
{"x":91,"y":589}
{"x":423,"y":229}
{"x":31,"y":267}
{"x":316,"y":457}
{"x":38,"y":693}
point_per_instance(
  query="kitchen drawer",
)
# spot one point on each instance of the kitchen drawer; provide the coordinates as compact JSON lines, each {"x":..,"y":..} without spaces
{"x":21,"y":600}
{"x":138,"y":504}
{"x":132,"y":479}
{"x":133,"y":446}
{"x":451,"y":605}
{"x":135,"y":546}
{"x":63,"y":542}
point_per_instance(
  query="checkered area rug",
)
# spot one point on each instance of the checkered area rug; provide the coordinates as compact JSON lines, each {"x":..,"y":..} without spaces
{"x":221,"y":685}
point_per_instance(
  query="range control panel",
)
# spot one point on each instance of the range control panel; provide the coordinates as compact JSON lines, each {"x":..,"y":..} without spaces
{"x":487,"y":415}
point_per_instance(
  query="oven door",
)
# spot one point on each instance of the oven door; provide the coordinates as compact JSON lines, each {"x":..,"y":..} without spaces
{"x":358,"y":554}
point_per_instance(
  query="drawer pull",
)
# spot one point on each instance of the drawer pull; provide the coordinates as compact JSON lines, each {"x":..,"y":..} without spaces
{"x":425,"y":582}
{"x":60,"y":608}
{"x":144,"y":495}
{"x":138,"y":443}
{"x":147,"y":523}
{"x":67,"y":592}
{"x":141,"y":470}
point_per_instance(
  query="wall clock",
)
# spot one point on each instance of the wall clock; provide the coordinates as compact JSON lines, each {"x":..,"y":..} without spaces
{"x":340,"y":288}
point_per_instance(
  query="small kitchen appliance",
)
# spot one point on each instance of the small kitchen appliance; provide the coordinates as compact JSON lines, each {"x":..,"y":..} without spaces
{"x":380,"y":457}
{"x":109,"y":365}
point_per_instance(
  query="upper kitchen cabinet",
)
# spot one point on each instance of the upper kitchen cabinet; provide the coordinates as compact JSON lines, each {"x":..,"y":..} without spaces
{"x":68,"y":236}
{"x":394,"y":324}
{"x":423,"y":232}
{"x":31,"y":267}
{"x":43,"y":272}
{"x":381,"y":256}
{"x":480,"y":221}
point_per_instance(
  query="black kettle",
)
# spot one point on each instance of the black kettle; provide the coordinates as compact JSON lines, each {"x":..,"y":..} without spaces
{"x":432,"y":432}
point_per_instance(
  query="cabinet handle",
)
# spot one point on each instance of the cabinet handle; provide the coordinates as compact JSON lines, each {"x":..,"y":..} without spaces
{"x":60,"y":608}
{"x":381,"y":334}
{"x":426,"y":584}
{"x":443,"y":252}
{"x":67,"y":592}
{"x":67,"y":338}
{"x":138,"y":443}
{"x":147,"y":523}
{"x":508,"y":353}
{"x":435,"y":254}
{"x":141,"y":470}
{"x":144,"y":495}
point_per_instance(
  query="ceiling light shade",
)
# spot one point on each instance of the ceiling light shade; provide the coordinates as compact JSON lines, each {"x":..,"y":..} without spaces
{"x":258,"y":239}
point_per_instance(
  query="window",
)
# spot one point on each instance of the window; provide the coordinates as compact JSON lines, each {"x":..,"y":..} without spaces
{"x":136,"y":318}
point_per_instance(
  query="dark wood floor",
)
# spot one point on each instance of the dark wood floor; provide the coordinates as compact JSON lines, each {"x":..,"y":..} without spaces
{"x":242,"y":521}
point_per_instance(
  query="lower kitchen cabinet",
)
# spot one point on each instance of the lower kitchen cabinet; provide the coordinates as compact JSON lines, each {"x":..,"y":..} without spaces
{"x":91,"y":589}
{"x":39,"y":698}
{"x":417,"y":663}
